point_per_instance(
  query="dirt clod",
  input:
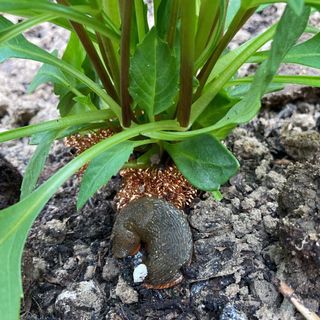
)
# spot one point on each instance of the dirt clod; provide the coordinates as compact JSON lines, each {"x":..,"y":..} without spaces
{"x":126,"y":293}
{"x":300,"y":206}
{"x":83,"y":300}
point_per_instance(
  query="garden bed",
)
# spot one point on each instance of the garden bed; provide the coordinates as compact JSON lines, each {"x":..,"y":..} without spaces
{"x":266,"y":226}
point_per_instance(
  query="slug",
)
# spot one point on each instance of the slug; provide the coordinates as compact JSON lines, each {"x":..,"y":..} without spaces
{"x":164,"y":231}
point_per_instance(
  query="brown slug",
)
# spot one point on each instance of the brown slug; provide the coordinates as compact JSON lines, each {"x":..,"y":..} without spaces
{"x":165,"y":232}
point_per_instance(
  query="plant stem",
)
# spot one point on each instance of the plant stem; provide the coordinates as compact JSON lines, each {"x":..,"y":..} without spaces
{"x":138,"y":5}
{"x":93,"y":55}
{"x":208,"y":17}
{"x":238,"y":21}
{"x":109,"y":56}
{"x":188,"y":27}
{"x":215,"y":36}
{"x":228,"y":70}
{"x":172,"y":22}
{"x":156,"y":4}
{"x":124,"y":65}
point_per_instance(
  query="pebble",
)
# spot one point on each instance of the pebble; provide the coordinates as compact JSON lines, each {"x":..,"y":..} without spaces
{"x":83,"y":300}
{"x":110,"y":269}
{"x":126,"y":293}
{"x":140,"y":272}
{"x":230,"y":312}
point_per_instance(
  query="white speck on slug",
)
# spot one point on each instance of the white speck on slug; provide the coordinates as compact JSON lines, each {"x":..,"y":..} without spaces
{"x":139,"y":273}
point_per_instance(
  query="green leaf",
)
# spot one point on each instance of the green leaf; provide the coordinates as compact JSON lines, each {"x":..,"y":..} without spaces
{"x":16,"y":221}
{"x":205,"y":24}
{"x":216,"y":110}
{"x":86,"y":102}
{"x":306,"y":53}
{"x":10,"y":273}
{"x":36,"y":163}
{"x":163,"y":17}
{"x":74,"y":46}
{"x":14,"y":30}
{"x":154,"y":75}
{"x":62,"y":123}
{"x":49,"y":73}
{"x":111,"y":9}
{"x":25,"y":8}
{"x":278,"y":82}
{"x":217,"y":195}
{"x":19,"y":47}
{"x":70,"y":104}
{"x":297,"y":6}
{"x":141,"y":13}
{"x":225,"y":68}
{"x":204,"y":161}
{"x":240,"y":91}
{"x":288,"y":32}
{"x":101,"y":169}
{"x":233,"y":7}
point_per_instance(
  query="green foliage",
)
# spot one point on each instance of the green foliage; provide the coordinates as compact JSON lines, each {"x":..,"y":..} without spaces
{"x":204,"y":161}
{"x":154,"y":75}
{"x":185,"y":94}
{"x":297,"y":6}
{"x":102,"y":168}
{"x":37,"y":162}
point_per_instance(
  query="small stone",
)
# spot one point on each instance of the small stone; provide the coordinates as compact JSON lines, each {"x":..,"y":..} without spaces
{"x":303,"y":121}
{"x":83,"y":300}
{"x":229,"y":312}
{"x":39,"y":267}
{"x":232,"y":290}
{"x":262,"y":169}
{"x":247,"y":204}
{"x":210,"y":216}
{"x":54,"y":231}
{"x":270,"y":224}
{"x":61,"y":276}
{"x":89,"y":273}
{"x":126,"y":293}
{"x":266,"y":292}
{"x":110,"y":269}
{"x":301,"y":145}
{"x":249,"y":147}
{"x":140,"y":272}
{"x":275,"y":180}
{"x":236,"y":203}
{"x":112,"y":315}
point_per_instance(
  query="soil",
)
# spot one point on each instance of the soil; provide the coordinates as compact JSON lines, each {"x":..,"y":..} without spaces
{"x":266,"y":226}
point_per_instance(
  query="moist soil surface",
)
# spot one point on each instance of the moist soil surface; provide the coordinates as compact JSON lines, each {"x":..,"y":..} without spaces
{"x":265,"y":228}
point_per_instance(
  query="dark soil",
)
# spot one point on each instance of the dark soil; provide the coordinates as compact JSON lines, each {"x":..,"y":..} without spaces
{"x":266,"y":227}
{"x":10,"y":182}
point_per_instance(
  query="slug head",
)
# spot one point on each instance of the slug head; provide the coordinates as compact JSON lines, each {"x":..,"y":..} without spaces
{"x":125,"y":244}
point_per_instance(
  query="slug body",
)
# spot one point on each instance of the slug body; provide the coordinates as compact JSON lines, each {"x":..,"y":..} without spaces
{"x":163,"y":230}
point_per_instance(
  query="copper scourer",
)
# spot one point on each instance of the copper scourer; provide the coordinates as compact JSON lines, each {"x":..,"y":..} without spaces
{"x":165,"y":183}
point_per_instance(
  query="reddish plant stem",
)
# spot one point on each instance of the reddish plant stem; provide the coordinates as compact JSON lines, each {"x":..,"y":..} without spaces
{"x":125,"y":99}
{"x":236,"y":24}
{"x":187,"y":60}
{"x":93,"y":56}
